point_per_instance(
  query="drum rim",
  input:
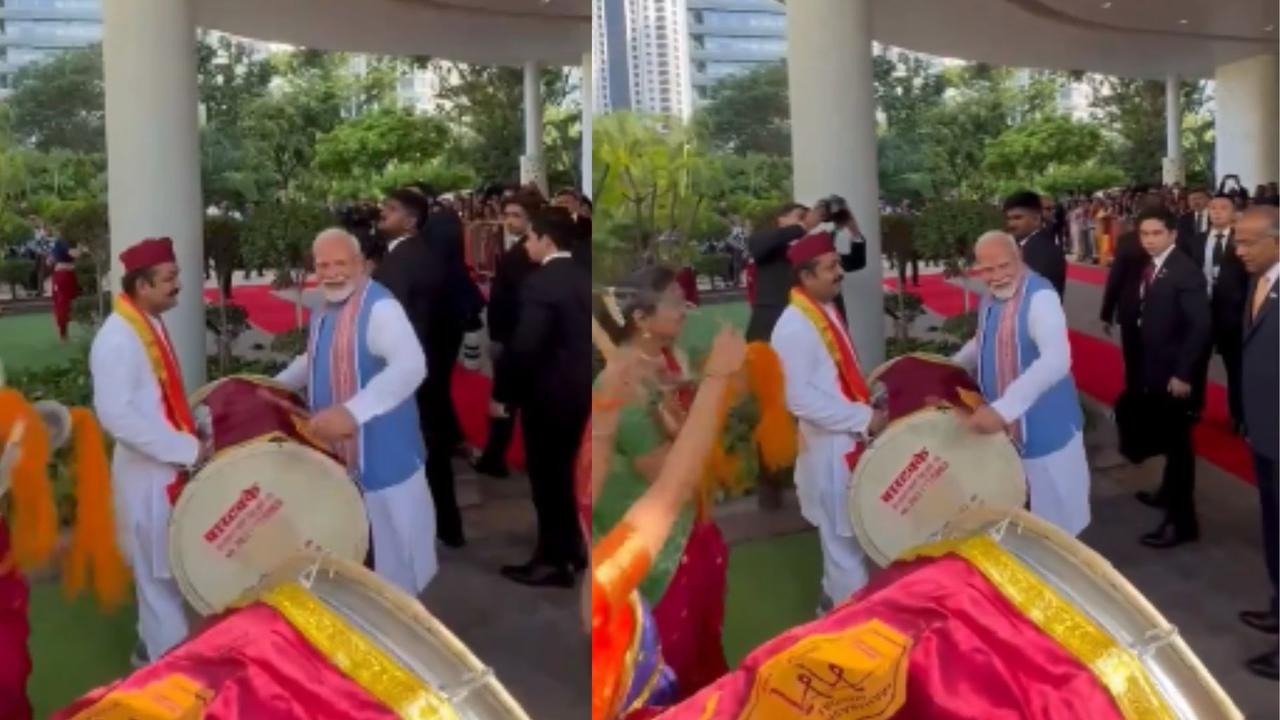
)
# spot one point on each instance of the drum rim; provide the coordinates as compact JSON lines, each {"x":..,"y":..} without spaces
{"x":877,"y":554}
{"x":919,"y":355}
{"x":407,"y":610}
{"x":201,"y":393}
{"x":178,"y":568}
{"x":1112,"y":583}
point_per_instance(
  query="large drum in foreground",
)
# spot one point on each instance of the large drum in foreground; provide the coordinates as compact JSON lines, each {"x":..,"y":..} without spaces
{"x":1011,"y":618}
{"x":269,"y":491}
{"x":926,"y":468}
{"x":323,"y":639}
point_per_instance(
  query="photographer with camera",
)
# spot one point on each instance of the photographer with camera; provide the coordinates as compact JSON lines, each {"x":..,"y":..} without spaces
{"x":832,"y":215}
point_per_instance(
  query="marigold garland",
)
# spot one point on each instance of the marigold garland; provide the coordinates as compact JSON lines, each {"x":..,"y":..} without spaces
{"x":93,"y":548}
{"x":775,"y":431}
{"x":35,"y":518}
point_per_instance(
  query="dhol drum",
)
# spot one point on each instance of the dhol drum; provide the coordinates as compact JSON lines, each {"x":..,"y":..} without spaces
{"x":269,"y":491}
{"x":321,"y":639}
{"x":925,"y":468}
{"x":1008,"y":617}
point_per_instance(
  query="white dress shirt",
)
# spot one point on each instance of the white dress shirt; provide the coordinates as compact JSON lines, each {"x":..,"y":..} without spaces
{"x":1211,"y":240}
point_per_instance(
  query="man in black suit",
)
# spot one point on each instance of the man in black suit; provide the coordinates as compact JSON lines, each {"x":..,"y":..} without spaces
{"x":413,"y":271}
{"x":768,"y":247}
{"x":1175,"y":331}
{"x":513,"y":267}
{"x":1120,"y":299}
{"x":1024,"y":220}
{"x":1196,"y":220}
{"x":570,"y":200}
{"x":1214,"y":253}
{"x":1257,"y":242}
{"x":547,"y":374}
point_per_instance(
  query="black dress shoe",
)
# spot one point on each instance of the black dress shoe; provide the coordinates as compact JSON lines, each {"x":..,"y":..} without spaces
{"x":1261,"y":620}
{"x":1167,"y":536}
{"x":1266,"y":665}
{"x":1149,"y":499}
{"x":537,"y":574}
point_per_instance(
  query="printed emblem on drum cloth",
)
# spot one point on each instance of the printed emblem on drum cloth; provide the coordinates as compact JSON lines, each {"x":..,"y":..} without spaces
{"x":972,"y":653}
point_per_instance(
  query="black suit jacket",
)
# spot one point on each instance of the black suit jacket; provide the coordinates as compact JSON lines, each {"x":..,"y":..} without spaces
{"x":1176,"y":327}
{"x":1227,"y":299}
{"x":1041,"y":252}
{"x":1120,"y":300}
{"x":773,"y":278}
{"x":1187,"y":226}
{"x":546,"y":368}
{"x":513,"y":268}
{"x":417,"y":281}
{"x":462,"y":300}
{"x":1260,"y":366}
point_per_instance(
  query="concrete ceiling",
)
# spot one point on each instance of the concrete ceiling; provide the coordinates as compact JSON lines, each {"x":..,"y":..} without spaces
{"x":490,"y":32}
{"x":1132,"y":38}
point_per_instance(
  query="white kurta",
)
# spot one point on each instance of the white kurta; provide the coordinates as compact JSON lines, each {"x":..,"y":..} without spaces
{"x":402,"y":517}
{"x":829,"y":426}
{"x":1058,"y":483}
{"x":148,"y":452}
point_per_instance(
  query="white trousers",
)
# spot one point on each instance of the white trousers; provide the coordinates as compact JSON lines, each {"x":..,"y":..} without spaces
{"x":1059,"y":486}
{"x":403,"y":521}
{"x":844,"y":564}
{"x":162,"y":618}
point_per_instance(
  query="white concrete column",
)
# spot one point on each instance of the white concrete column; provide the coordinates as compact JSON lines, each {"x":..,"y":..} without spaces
{"x":833,"y":140}
{"x":1173,"y":167}
{"x":588,"y":107}
{"x":153,"y":157}
{"x":1246,"y":120}
{"x":532,"y":168}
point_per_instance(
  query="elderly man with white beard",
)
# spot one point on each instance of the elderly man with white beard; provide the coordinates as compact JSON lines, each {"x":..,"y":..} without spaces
{"x":362,"y":366}
{"x":1021,"y":359}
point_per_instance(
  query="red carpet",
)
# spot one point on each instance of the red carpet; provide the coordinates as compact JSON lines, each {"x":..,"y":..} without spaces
{"x":1089,"y":274}
{"x":267,"y":312}
{"x":471,"y":389}
{"x":1098,"y":368}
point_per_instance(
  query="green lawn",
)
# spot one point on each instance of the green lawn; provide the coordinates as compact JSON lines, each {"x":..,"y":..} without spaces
{"x":31,"y":340}
{"x":702,"y":324}
{"x":74,"y":647}
{"x":773,"y":586}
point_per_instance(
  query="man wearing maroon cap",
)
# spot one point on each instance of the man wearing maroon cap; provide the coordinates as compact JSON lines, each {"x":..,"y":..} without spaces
{"x":828,"y":396}
{"x":139,"y":398}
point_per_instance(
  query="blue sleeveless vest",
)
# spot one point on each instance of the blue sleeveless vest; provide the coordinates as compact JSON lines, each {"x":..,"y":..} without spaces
{"x":390,"y":445}
{"x":1055,"y":417}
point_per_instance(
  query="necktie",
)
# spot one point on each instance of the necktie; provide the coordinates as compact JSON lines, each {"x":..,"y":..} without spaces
{"x":1148,"y":274}
{"x":1259,"y":296}
{"x":1218,"y":246}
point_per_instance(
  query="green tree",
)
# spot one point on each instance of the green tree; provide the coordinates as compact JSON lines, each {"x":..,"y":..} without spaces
{"x":279,"y":235}
{"x":749,"y":112}
{"x":488,"y":104}
{"x":359,"y":152}
{"x":1030,"y":149}
{"x":1133,"y":113}
{"x":59,"y":103}
{"x":947,"y":230}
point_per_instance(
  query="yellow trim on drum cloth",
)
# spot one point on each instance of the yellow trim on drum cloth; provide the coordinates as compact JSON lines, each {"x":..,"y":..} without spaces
{"x":1116,"y":667}
{"x":358,"y":657}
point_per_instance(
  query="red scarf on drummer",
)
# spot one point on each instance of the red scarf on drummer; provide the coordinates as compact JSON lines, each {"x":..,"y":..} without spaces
{"x":165,"y":368}
{"x":836,"y":340}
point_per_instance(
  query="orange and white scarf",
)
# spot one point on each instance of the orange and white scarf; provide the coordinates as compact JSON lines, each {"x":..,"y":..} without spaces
{"x":838,"y":345}
{"x":165,"y":368}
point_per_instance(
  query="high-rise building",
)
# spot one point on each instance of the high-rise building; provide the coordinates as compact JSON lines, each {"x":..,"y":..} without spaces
{"x":34,"y":30}
{"x":729,"y":37}
{"x":643,"y":60}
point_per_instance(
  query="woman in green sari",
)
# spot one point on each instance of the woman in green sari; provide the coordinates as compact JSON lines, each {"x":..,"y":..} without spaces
{"x":686,"y":583}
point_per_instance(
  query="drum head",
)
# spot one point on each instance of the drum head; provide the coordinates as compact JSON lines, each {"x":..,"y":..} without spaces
{"x":1095,"y":588}
{"x":250,"y":509}
{"x":402,"y":627}
{"x":923,"y":473}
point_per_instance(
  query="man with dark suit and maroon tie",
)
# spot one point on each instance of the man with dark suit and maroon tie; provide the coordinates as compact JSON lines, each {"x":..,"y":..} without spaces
{"x":1257,"y":243}
{"x":1175,"y":330}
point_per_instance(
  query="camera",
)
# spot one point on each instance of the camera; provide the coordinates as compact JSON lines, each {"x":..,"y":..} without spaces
{"x":834,"y":209}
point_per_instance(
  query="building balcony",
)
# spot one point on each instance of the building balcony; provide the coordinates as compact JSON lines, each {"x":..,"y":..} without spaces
{"x":47,"y":42}
{"x":744,"y":55}
{"x":720,"y":29}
